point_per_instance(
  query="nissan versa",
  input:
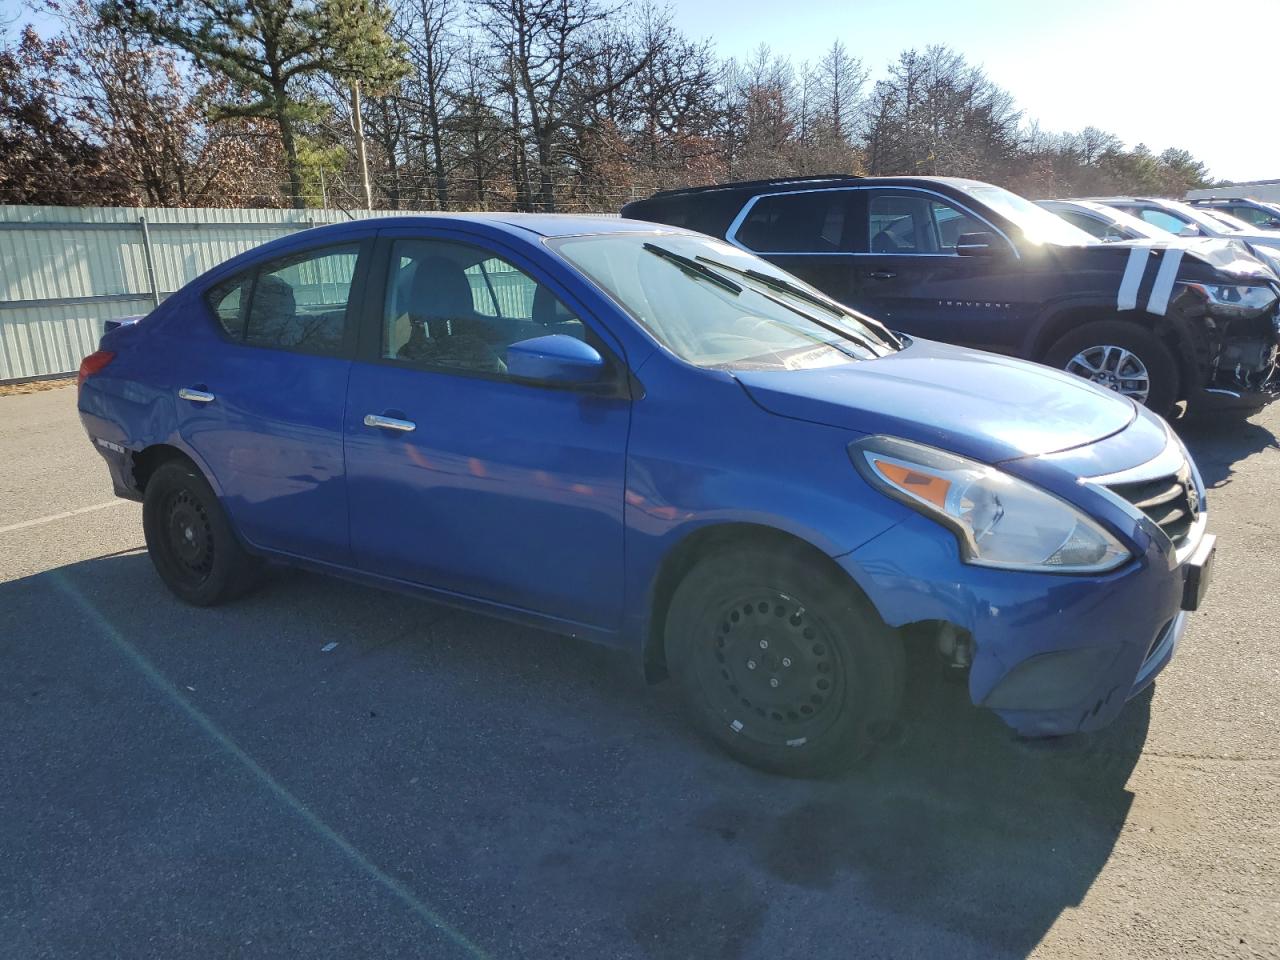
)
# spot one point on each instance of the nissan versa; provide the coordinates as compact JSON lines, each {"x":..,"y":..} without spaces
{"x":653,"y":439}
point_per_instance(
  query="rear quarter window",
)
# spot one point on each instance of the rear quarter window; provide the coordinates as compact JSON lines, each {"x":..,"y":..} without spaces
{"x":227,"y":301}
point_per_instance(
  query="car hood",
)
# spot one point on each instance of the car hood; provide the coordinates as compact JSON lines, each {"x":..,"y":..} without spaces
{"x":1233,"y":258}
{"x":977,"y":404}
{"x":1228,"y":256}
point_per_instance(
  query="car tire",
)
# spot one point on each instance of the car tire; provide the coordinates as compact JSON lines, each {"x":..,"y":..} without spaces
{"x":190,"y":540}
{"x":1104,"y":344}
{"x":782,"y":661}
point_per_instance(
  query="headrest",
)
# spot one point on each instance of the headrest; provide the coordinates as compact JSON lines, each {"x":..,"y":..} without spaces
{"x":440,"y":290}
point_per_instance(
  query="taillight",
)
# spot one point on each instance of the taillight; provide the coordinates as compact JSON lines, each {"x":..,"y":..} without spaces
{"x":93,"y":363}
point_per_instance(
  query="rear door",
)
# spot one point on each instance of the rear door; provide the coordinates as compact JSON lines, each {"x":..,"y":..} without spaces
{"x":486,"y":487}
{"x":804,"y":233}
{"x":911,"y":278}
{"x":260,"y":394}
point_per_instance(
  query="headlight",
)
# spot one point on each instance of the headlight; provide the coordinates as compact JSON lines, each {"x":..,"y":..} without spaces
{"x":999,"y":520}
{"x":1231,"y":300}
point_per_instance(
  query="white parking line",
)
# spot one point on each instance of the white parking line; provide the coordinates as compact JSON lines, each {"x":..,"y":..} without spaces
{"x":202,"y":720}
{"x":61,"y":516}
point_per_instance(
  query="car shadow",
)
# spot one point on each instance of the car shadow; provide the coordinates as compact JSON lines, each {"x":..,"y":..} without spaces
{"x":1219,"y":443}
{"x":531,"y":787}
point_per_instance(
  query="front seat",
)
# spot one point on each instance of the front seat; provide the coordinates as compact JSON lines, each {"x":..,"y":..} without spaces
{"x":445,"y":328}
{"x":883,"y":242}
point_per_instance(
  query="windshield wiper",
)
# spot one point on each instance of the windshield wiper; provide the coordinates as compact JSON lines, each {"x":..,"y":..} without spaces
{"x":785,"y":286}
{"x":777,"y":283}
{"x":694,"y":268}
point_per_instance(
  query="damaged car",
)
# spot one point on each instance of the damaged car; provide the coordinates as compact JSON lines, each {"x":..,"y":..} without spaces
{"x":645,"y":437}
{"x":966,"y":262}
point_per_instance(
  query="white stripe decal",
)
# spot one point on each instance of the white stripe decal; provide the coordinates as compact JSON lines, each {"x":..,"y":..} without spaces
{"x":1163,"y":288}
{"x":1127,"y":296}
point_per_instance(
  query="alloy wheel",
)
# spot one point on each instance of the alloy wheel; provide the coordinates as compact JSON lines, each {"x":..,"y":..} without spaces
{"x":1115,"y":368}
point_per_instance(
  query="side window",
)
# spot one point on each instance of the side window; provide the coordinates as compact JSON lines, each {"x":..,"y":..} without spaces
{"x":950,"y":224}
{"x":1165,"y":221}
{"x":300,"y":302}
{"x":452,"y":305}
{"x":897,"y":223}
{"x":916,"y":223}
{"x":1089,"y":225}
{"x":227,"y":300}
{"x":796,"y":223}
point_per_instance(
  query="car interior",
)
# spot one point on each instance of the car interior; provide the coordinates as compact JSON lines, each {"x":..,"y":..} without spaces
{"x":449,"y":304}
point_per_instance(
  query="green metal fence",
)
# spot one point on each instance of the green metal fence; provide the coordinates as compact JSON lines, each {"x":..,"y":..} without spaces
{"x":66,"y":270}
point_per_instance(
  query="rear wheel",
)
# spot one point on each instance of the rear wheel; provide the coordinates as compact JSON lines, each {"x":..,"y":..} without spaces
{"x":781,"y":661}
{"x":190,"y":540}
{"x":1123,"y":357}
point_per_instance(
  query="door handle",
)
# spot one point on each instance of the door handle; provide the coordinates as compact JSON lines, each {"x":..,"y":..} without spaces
{"x":195,"y":396}
{"x":389,"y":423}
{"x":881,"y":274}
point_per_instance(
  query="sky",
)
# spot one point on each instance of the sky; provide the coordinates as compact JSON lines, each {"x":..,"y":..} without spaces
{"x":1149,"y":71}
{"x":1159,"y":72}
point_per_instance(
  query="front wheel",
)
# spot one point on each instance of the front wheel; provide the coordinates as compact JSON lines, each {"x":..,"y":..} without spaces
{"x":781,"y":660}
{"x":190,"y":540}
{"x":1123,"y":357}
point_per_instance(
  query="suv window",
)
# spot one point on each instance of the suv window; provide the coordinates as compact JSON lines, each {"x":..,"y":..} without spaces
{"x":796,"y":222}
{"x":300,"y":302}
{"x":456,"y":306}
{"x":914,"y":223}
{"x":1251,"y":215}
{"x":1108,"y":232}
{"x":1161,"y":219}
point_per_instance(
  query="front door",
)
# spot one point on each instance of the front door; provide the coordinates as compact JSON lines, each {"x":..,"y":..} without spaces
{"x":483,"y":486}
{"x":911,"y":278}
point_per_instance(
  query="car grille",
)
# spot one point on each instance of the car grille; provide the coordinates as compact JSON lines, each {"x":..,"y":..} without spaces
{"x":1171,"y":502}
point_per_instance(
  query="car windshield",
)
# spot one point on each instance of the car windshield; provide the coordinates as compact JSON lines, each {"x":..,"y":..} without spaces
{"x":1037,"y":224}
{"x":714,"y":305}
{"x":1211,"y":221}
{"x":1227,"y":220}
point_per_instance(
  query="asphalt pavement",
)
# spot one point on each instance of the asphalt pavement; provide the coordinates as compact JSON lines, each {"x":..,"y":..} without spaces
{"x":326,"y":770}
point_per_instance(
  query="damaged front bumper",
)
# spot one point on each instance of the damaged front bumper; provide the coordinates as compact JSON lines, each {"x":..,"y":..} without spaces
{"x":1240,"y":362}
{"x":1051,"y":654}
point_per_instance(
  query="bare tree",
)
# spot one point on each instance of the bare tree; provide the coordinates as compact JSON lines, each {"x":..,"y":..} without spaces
{"x":428,"y":29}
{"x":538,"y":46}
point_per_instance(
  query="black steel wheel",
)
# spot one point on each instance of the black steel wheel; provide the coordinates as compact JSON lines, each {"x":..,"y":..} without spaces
{"x":781,"y":660}
{"x":190,"y":540}
{"x":188,"y":536}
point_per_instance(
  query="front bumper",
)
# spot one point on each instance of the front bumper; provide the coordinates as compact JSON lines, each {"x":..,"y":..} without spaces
{"x":1245,"y":375}
{"x":1052,"y":654}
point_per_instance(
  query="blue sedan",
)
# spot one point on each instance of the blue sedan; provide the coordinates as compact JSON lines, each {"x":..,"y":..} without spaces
{"x":652,"y":439}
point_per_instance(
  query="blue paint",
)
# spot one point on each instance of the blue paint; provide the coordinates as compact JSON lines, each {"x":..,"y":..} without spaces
{"x":557,"y":502}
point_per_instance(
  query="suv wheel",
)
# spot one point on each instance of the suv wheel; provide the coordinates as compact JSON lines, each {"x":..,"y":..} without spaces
{"x":1123,"y":357}
{"x":781,"y":661}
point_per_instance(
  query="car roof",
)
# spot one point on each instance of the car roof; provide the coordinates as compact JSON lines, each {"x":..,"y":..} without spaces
{"x":816,"y":182}
{"x":539,"y":224}
{"x":519,"y":226}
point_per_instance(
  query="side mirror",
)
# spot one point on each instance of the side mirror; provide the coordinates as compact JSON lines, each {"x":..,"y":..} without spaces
{"x":555,"y":360}
{"x":1189,"y":230}
{"x":976,"y":245}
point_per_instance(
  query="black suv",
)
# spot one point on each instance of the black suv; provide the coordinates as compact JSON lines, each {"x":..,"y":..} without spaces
{"x":973,"y":264}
